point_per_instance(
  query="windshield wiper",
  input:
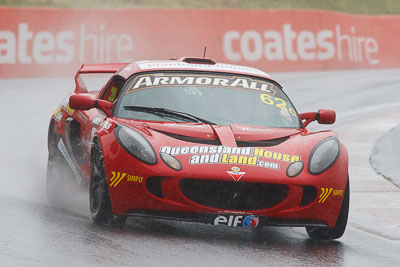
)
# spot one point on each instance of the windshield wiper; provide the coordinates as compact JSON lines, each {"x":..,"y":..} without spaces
{"x":169,"y":112}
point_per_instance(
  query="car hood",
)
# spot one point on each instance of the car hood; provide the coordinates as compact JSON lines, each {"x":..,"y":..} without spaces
{"x":258,"y":151}
{"x":226,"y":135}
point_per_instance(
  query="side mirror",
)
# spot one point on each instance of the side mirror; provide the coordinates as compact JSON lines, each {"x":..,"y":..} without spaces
{"x":326,"y":116}
{"x":86,"y":102}
{"x":323,"y":116}
{"x":81,"y":102}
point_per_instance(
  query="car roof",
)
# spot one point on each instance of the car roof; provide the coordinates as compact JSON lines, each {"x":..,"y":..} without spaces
{"x":189,"y":64}
{"x":125,"y":70}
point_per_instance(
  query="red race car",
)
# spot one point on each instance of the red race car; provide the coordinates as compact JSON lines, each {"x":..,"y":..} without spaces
{"x":195,"y":140}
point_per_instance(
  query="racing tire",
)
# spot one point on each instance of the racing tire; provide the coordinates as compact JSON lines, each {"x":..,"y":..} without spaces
{"x":99,"y":197}
{"x":323,"y":233}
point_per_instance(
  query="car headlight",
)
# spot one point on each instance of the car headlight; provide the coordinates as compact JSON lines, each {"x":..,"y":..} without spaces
{"x":135,"y":144}
{"x":171,"y":161}
{"x":323,"y":155}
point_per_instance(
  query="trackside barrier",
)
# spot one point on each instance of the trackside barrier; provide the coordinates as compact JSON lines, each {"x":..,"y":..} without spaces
{"x":36,"y":42}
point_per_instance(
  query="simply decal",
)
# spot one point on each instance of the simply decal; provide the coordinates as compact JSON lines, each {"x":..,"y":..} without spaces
{"x":326,"y":192}
{"x":117,"y":177}
{"x":134,"y":179}
{"x":338,"y":193}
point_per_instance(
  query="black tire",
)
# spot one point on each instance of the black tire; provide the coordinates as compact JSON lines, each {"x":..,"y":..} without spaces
{"x":99,"y":197}
{"x":58,"y":170}
{"x":323,"y":233}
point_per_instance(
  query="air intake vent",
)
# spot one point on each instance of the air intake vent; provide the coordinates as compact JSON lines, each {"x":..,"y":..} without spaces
{"x":233,"y":195}
{"x":153,"y":184}
{"x":309,"y":194}
{"x":195,"y":60}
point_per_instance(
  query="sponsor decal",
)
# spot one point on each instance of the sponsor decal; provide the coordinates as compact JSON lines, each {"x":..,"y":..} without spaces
{"x":338,"y":193}
{"x":68,"y":109}
{"x":82,"y":117}
{"x":134,"y":178}
{"x":250,"y":221}
{"x":117,"y":177}
{"x":65,"y":105}
{"x":231,"y":155}
{"x":81,"y":42}
{"x":236,"y":174}
{"x":106,"y":125}
{"x":64,"y":152}
{"x":97,"y":120}
{"x":153,"y":80}
{"x":237,"y":220}
{"x":326,"y":192}
{"x":58,"y":115}
{"x":291,"y":45}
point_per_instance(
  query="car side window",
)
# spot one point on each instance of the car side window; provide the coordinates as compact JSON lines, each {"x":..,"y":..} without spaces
{"x":113,"y":90}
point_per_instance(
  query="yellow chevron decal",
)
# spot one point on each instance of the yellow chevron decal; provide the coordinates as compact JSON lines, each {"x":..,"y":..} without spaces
{"x":325,"y":192}
{"x":116,"y":178}
{"x":114,"y":175}
{"x":120,"y":179}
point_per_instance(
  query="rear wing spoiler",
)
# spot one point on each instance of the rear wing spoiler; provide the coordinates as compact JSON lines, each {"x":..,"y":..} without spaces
{"x":80,"y":86}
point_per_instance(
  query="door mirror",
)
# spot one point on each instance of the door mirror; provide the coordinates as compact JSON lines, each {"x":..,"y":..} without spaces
{"x":323,"y":116}
{"x":87,"y":101}
{"x":326,"y":116}
{"x":81,"y":102}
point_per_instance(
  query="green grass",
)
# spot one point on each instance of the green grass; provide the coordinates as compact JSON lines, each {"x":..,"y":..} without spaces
{"x":349,"y":6}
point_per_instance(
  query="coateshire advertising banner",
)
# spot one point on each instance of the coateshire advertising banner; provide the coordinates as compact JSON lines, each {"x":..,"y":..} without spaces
{"x":36,"y":42}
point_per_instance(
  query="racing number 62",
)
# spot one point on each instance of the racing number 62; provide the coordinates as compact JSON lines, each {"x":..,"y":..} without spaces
{"x":277,"y":102}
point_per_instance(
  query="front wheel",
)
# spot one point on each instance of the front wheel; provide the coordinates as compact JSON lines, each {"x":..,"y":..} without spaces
{"x":99,"y":198}
{"x":337,"y":231}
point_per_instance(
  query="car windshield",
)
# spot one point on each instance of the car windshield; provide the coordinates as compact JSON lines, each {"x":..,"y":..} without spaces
{"x":207,"y":98}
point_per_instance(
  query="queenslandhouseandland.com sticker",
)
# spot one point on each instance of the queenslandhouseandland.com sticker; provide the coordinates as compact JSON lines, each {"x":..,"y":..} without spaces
{"x":231,"y":155}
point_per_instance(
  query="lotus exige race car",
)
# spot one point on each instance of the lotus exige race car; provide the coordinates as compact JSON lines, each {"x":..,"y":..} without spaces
{"x":199,"y":141}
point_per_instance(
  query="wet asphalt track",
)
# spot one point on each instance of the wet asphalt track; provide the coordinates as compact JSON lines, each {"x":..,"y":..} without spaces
{"x":33,"y":233}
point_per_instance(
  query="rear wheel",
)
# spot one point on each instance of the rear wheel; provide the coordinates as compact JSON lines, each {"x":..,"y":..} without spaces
{"x":99,"y":197}
{"x":337,"y":231}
